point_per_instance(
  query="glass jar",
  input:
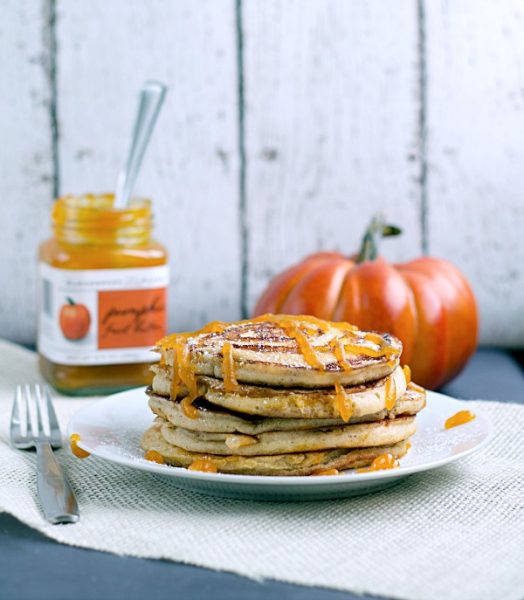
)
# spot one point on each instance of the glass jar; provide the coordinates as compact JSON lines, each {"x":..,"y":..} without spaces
{"x":102,"y":295}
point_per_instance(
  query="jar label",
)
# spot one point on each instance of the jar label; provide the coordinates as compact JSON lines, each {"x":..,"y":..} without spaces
{"x":101,"y":316}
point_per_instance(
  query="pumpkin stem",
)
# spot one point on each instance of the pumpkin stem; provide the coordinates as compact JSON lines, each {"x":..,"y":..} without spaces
{"x":376,"y":230}
{"x":70,"y":301}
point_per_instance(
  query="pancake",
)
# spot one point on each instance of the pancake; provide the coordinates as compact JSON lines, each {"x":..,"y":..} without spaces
{"x":379,"y":433}
{"x":280,"y":395}
{"x":307,"y":463}
{"x":283,"y":351}
{"x":215,"y":419}
{"x":302,"y":403}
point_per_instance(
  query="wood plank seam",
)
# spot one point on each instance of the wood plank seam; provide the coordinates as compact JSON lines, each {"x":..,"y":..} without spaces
{"x":244,"y":231}
{"x":422,"y":124}
{"x":51,"y":72}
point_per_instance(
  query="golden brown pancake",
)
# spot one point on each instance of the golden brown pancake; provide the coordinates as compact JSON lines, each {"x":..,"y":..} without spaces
{"x":265,"y":352}
{"x":267,"y":401}
{"x":361,"y":435}
{"x":212,"y":418}
{"x":302,"y":463}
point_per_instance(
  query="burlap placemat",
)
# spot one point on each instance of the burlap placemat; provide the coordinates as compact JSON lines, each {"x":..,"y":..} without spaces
{"x":453,"y":533}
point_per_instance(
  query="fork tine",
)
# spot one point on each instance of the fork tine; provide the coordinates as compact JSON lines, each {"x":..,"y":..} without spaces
{"x":15,"y":413}
{"x":31,"y":410}
{"x":40,"y":417}
{"x":51,"y":414}
{"x":24,"y":412}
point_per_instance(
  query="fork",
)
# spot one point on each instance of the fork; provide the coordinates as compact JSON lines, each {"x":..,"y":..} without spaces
{"x":34,"y":425}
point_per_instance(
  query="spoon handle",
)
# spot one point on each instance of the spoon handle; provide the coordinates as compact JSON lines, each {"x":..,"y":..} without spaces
{"x":151,"y":98}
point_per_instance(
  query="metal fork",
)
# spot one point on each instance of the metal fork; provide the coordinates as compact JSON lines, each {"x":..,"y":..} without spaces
{"x":34,"y":425}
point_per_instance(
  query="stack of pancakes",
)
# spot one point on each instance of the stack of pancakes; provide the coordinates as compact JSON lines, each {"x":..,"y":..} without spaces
{"x":280,"y":395}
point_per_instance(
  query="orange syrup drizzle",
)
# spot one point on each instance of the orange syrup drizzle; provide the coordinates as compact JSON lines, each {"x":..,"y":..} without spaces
{"x":234,"y":441}
{"x":228,"y":368}
{"x":204,"y":465}
{"x":213,"y":327}
{"x":460,"y":418}
{"x":176,"y":380}
{"x":183,"y":373}
{"x":188,"y":409}
{"x":416,"y":388}
{"x":374,"y":337}
{"x":326,"y":472}
{"x":407,"y":374}
{"x":382,"y":462}
{"x":75,"y":448}
{"x":307,"y":351}
{"x":343,"y":404}
{"x":391,"y":393}
{"x":344,"y":326}
{"x":284,"y":320}
{"x":154,"y":456}
{"x":175,"y":384}
{"x":184,"y":369}
{"x":371,"y":352}
{"x":290,"y":326}
{"x":340,"y":355}
{"x":324,"y":349}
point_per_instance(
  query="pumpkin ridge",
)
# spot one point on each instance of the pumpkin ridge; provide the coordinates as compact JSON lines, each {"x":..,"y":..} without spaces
{"x":288,"y":279}
{"x":349,"y":311}
{"x":315,"y":289}
{"x":341,"y":291}
{"x":449,"y":289}
{"x":439,"y":364}
{"x":416,"y":316}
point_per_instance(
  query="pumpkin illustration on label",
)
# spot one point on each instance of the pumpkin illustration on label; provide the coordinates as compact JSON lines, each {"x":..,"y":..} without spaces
{"x":74,"y":320}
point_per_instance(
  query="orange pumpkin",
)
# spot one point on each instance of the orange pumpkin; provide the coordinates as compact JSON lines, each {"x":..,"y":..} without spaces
{"x":74,"y":320}
{"x":426,"y":302}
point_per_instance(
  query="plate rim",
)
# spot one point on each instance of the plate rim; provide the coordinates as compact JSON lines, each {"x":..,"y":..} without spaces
{"x":273,"y":480}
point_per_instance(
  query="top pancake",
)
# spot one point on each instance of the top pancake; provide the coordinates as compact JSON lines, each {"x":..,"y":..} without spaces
{"x":284,"y":351}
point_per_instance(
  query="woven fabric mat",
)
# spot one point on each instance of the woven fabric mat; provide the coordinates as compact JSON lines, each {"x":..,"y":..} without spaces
{"x":453,"y":533}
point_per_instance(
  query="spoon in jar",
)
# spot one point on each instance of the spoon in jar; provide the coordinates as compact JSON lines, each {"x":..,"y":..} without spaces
{"x":151,"y":98}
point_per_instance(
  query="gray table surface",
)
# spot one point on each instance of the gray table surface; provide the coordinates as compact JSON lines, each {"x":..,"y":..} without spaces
{"x":33,"y":567}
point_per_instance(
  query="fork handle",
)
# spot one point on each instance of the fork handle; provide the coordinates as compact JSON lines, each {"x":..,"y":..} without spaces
{"x":56,"y":496}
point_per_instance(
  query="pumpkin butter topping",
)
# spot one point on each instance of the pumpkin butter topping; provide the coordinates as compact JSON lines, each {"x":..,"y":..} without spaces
{"x":75,"y":448}
{"x":228,"y":368}
{"x":381,"y":462}
{"x":460,"y":418}
{"x":390,"y":393}
{"x":203,"y":464}
{"x":154,"y":456}
{"x":293,"y":348}
{"x":343,"y":404}
{"x":275,"y":369}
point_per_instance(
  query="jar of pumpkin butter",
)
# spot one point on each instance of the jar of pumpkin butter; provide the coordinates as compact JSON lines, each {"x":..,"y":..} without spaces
{"x":102,"y":290}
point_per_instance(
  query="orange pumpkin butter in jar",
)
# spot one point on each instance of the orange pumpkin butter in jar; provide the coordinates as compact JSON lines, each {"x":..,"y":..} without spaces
{"x":102,"y":295}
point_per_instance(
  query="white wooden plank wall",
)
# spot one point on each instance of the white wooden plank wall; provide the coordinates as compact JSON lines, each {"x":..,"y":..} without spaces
{"x":475,"y":65}
{"x":287,"y":125}
{"x":26,"y":158}
{"x":331,"y":128}
{"x":106,"y":50}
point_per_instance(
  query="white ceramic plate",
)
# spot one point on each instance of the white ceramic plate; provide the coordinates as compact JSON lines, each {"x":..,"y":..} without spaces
{"x":111,"y":428}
